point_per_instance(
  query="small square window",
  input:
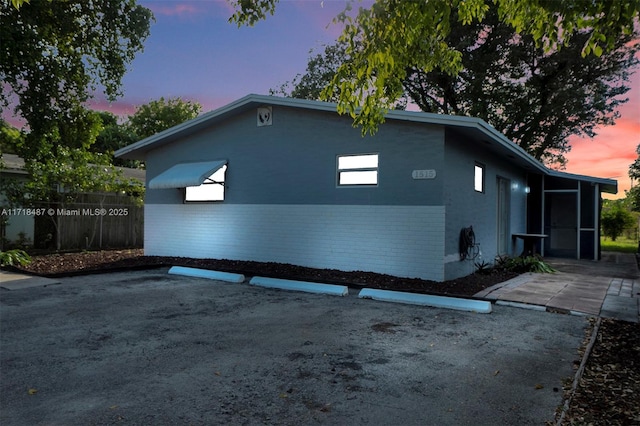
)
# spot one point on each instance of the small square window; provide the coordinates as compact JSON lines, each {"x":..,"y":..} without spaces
{"x":478,"y":178}
{"x":358,"y":169}
{"x":211,"y":190}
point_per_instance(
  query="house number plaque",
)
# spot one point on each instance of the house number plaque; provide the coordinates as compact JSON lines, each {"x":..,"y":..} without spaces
{"x":423,"y":174}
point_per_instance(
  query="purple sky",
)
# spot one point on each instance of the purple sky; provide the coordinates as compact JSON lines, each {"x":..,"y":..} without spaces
{"x":195,"y":54}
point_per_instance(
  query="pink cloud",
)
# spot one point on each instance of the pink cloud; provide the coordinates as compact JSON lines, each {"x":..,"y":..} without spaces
{"x":609,"y":154}
{"x":189,"y":9}
{"x":172,"y":9}
{"x":125,"y":107}
{"x":321,"y":14}
{"x":612,"y":151}
{"x":119,"y":108}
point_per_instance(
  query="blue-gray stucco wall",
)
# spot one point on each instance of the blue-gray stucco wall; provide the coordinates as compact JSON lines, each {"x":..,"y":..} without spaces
{"x":293,"y":161}
{"x":466,"y":207}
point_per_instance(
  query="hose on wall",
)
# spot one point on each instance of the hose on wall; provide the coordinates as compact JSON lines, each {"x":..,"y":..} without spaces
{"x":468,"y":247}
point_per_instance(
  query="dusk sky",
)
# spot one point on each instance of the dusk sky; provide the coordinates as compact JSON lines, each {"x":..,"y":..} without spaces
{"x":195,"y":54}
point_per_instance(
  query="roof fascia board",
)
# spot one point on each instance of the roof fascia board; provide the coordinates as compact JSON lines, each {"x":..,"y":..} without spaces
{"x":608,"y":185}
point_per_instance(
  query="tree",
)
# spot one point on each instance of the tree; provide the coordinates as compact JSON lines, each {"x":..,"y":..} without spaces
{"x":536,"y":99}
{"x":321,"y":68}
{"x":112,"y":137}
{"x":10,"y":138}
{"x":55,"y":54}
{"x":615,"y":219}
{"x":633,"y":195}
{"x":75,"y":167}
{"x":56,"y":183}
{"x":395,"y":36}
{"x":53,"y":57}
{"x":634,"y":168}
{"x":160,"y":115}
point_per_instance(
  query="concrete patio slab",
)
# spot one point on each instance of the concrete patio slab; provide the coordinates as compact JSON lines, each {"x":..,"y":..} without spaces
{"x":609,"y":288}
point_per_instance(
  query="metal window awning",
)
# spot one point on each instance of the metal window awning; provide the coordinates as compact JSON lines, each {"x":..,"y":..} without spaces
{"x":186,"y":174}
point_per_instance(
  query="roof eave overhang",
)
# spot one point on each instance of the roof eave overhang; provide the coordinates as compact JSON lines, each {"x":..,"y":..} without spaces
{"x":610,"y":186}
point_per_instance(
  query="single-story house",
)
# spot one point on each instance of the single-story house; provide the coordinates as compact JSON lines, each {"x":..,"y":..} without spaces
{"x":285,"y":180}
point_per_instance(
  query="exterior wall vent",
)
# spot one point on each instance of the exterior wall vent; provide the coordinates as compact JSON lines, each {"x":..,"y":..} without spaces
{"x":265,"y":117}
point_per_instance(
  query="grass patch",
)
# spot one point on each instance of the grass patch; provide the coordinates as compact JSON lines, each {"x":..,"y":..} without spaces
{"x":621,"y":244}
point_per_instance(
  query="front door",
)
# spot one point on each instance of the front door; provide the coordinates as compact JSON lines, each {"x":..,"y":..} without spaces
{"x":503,"y":216}
{"x":561,"y":224}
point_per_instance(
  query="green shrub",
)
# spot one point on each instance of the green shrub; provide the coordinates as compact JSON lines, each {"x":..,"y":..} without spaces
{"x":483,"y":267}
{"x":615,"y":220}
{"x":523,"y":264}
{"x":14,"y":257}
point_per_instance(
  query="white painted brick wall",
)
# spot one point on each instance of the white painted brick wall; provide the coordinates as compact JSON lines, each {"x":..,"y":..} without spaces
{"x":405,"y":241}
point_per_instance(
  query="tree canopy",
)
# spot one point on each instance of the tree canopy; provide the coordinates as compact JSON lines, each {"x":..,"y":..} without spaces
{"x":55,"y":55}
{"x":536,"y":98}
{"x":633,"y":195}
{"x":634,"y":168}
{"x":147,"y":120}
{"x":161,"y":114}
{"x":392,"y":37}
{"x":10,"y":137}
{"x":615,"y":219}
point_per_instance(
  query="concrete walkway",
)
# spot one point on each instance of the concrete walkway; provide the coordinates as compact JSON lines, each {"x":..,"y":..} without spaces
{"x":609,"y":288}
{"x":15,"y":281}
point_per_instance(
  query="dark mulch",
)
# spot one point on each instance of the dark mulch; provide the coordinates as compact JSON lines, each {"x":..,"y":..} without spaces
{"x":609,"y":391}
{"x":56,"y":265}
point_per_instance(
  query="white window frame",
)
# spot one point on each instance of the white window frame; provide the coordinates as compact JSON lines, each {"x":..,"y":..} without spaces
{"x":479,"y":178}
{"x":357,"y":170}
{"x":211,"y":190}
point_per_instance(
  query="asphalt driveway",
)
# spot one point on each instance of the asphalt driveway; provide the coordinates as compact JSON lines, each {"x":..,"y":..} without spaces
{"x":151,"y":348}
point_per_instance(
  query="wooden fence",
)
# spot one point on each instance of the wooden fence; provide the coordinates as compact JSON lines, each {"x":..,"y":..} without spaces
{"x":96,"y":221}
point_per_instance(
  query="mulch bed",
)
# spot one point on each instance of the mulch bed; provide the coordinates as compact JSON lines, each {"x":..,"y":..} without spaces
{"x":609,"y":391}
{"x":56,"y":265}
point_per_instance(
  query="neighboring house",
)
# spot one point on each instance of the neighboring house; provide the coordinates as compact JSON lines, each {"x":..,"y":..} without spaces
{"x":81,"y":225}
{"x":286,"y":180}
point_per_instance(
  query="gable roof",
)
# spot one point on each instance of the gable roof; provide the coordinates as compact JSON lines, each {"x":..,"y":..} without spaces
{"x":475,"y":128}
